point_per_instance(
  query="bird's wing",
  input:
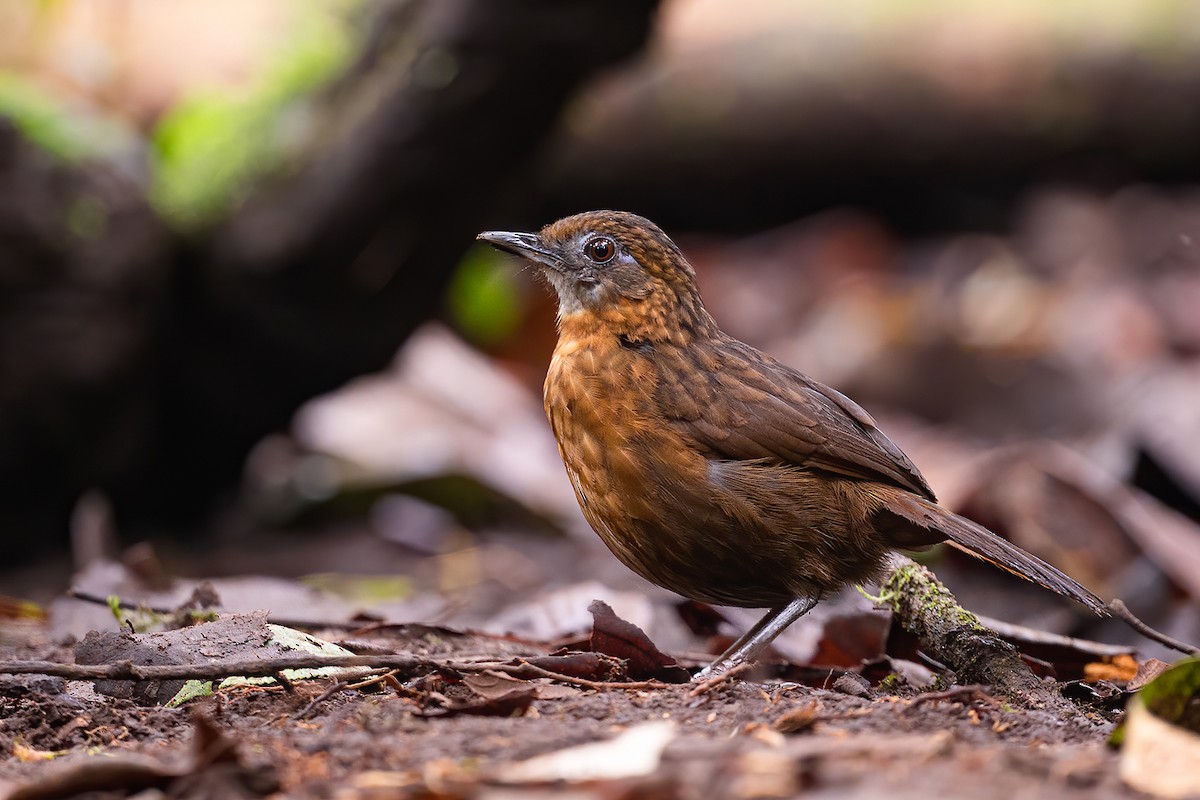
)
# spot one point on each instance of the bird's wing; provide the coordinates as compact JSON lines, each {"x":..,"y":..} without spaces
{"x":754,"y":407}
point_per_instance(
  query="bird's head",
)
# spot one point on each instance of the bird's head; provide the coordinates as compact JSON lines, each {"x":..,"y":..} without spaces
{"x":615,"y":269}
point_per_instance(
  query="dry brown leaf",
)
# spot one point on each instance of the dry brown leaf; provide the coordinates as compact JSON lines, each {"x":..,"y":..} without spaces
{"x":1119,"y":669}
{"x":800,"y":718}
{"x":616,"y":637}
{"x":1147,"y":671}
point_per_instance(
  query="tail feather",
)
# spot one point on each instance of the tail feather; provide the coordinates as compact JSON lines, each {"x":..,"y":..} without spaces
{"x":978,"y":541}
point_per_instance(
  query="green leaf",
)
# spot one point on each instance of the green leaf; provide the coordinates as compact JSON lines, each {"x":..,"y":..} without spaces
{"x":485,"y":299}
{"x":1160,"y":735}
{"x":212,"y":146}
{"x":1174,"y":697}
{"x":190,"y":691}
{"x":66,"y":133}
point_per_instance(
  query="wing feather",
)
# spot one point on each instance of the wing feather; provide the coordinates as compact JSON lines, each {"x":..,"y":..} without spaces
{"x":769,"y":410}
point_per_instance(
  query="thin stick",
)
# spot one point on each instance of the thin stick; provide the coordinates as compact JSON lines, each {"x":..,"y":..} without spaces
{"x":88,"y":597}
{"x":1022,"y":635}
{"x":712,"y":683}
{"x":380,"y":678}
{"x":341,"y":686}
{"x":283,"y":681}
{"x":525,"y":667}
{"x":1122,"y":612}
{"x":322,"y":697}
{"x":126,"y":670}
{"x":956,"y":695}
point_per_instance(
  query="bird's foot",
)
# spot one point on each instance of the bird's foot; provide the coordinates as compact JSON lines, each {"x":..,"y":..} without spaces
{"x":755,"y":640}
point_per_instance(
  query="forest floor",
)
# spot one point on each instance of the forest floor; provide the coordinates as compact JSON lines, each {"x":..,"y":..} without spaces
{"x":497,"y":716}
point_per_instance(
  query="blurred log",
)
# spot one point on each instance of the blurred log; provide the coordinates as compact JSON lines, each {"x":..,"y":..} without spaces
{"x":84,"y":266}
{"x":935,"y":117}
{"x":148,"y":367}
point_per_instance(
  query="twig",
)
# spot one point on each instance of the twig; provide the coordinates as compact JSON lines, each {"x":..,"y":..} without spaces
{"x":268,"y":667}
{"x":715,"y":681}
{"x":1122,"y":612}
{"x":525,"y":668}
{"x":956,"y":694}
{"x":1022,"y":635}
{"x":126,"y":670}
{"x":88,"y":597}
{"x":322,"y":697}
{"x":374,"y":679}
{"x":342,"y":686}
{"x":283,"y":681}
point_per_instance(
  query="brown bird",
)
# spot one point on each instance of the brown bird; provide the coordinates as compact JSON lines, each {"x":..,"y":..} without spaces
{"x":708,"y":467}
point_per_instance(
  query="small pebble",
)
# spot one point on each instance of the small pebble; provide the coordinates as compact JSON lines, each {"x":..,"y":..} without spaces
{"x":852,"y":684}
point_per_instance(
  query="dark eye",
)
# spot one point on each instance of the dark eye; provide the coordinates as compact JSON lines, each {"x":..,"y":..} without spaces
{"x":600,"y":249}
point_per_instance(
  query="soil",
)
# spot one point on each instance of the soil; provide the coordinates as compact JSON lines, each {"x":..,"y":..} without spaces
{"x":743,"y":738}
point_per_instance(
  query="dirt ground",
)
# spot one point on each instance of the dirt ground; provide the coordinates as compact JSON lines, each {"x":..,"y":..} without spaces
{"x":445,"y":735}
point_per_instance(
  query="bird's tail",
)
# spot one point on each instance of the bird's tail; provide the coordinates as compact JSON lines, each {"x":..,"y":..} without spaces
{"x":978,"y":541}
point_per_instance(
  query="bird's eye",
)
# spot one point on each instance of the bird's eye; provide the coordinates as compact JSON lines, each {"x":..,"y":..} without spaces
{"x":600,"y":250}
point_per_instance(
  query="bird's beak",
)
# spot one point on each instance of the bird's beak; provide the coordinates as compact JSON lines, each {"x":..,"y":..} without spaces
{"x":526,"y":245}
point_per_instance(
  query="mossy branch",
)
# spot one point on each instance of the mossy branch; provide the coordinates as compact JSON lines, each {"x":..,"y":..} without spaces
{"x":955,"y":637}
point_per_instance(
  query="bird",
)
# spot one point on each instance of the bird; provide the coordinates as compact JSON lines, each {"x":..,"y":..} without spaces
{"x":707,"y":466}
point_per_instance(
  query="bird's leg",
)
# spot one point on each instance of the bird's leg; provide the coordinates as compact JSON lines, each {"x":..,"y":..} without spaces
{"x":755,"y":640}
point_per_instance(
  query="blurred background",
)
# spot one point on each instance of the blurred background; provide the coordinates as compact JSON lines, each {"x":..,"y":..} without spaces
{"x":245,"y":333}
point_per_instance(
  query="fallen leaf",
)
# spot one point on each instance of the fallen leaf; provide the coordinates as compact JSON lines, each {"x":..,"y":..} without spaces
{"x":1159,"y":758}
{"x":25,"y":753}
{"x":230,"y":637}
{"x":631,"y":754}
{"x":616,"y":637}
{"x":591,"y":666}
{"x":555,"y":691}
{"x":1147,"y":671}
{"x":847,"y":640}
{"x":15,"y":608}
{"x":1121,"y":669}
{"x":493,"y":685}
{"x":212,"y":768}
{"x":800,"y":718}
{"x":1160,"y":738}
{"x":511,"y":702}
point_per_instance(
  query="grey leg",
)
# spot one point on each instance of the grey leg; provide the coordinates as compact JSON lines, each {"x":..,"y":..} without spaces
{"x":755,"y":640}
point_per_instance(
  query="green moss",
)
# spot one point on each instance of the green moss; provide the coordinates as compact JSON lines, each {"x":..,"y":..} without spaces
{"x":881,"y":599}
{"x":892,"y":684}
{"x":114,"y":606}
{"x":210,"y":147}
{"x":68,"y":134}
{"x":918,"y":585}
{"x":911,"y":587}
